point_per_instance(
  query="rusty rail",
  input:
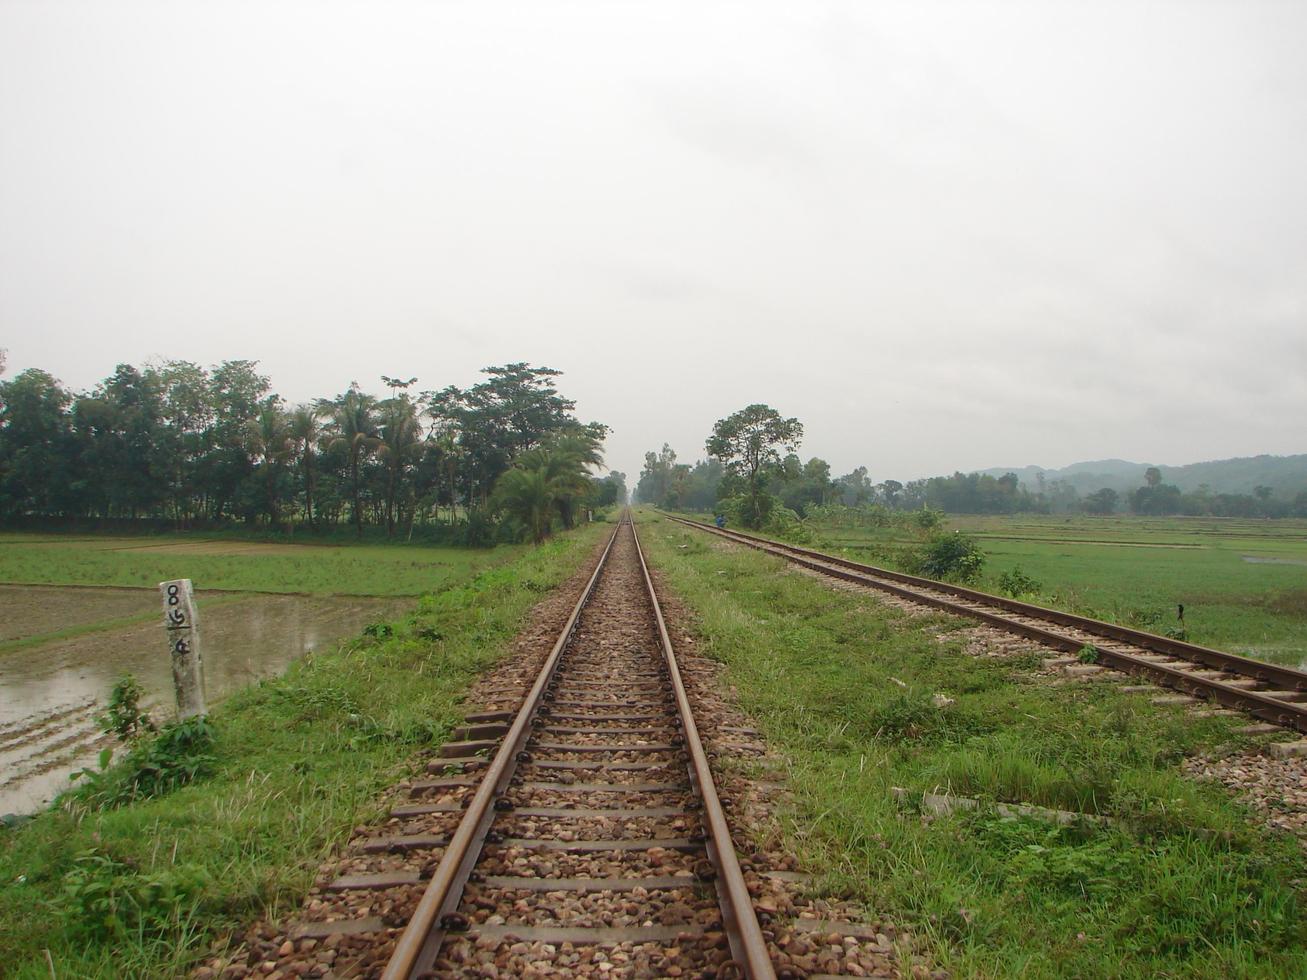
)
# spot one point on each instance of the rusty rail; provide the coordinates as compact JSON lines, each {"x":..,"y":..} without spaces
{"x":1264,"y":705}
{"x":748,"y":947}
{"x":419,"y":945}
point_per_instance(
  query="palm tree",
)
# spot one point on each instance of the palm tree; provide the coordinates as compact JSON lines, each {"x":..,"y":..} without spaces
{"x":305,"y":434}
{"x":571,"y":455}
{"x":451,"y":457}
{"x":400,"y":441}
{"x":549,"y":479}
{"x":355,"y":426}
{"x":267,"y":438}
{"x":528,"y":493}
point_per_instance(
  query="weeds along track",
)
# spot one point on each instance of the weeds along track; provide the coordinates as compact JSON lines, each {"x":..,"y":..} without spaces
{"x":579,"y":834}
{"x":1270,"y":692}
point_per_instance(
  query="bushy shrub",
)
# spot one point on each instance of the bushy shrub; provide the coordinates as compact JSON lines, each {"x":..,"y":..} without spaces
{"x":955,"y":556}
{"x":124,"y":717}
{"x":785,"y":523}
{"x":1017,"y":583}
{"x":479,"y":530}
{"x":108,"y":899}
{"x":927,"y":519}
{"x":744,"y":510}
{"x":179,"y":754}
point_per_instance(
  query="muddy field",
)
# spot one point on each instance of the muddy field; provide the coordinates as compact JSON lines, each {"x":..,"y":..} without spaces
{"x":27,"y":611}
{"x":51,"y":692}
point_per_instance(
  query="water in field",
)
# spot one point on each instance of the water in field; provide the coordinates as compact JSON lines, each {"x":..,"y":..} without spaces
{"x":51,"y":692}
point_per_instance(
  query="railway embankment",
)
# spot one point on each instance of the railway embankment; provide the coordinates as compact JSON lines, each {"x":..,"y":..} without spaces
{"x":929,"y":768}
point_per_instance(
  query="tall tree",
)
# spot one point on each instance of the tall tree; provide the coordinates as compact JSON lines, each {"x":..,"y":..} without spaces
{"x":268,"y":441}
{"x":1101,"y":501}
{"x":188,"y":413}
{"x":238,"y":392}
{"x":305,"y":431}
{"x":132,"y":467}
{"x":656,"y":477}
{"x":513,"y":410}
{"x":354,"y":425}
{"x":35,"y":445}
{"x":747,"y":441}
{"x":399,"y":446}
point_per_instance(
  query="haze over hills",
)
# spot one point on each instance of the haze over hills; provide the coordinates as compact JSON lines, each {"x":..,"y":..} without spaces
{"x":1285,"y":475}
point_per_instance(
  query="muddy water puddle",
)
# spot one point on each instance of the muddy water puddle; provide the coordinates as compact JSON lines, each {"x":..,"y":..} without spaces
{"x":50,"y":693}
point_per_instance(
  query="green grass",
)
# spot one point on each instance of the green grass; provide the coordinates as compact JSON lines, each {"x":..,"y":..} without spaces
{"x":240,"y":566}
{"x":1138,"y":576}
{"x":1136,"y":571}
{"x":299,"y":761}
{"x":1179,"y":884}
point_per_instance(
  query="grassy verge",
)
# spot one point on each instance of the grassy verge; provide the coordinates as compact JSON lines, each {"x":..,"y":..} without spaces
{"x":140,"y":890}
{"x":1243,"y":583}
{"x":1177,"y":885}
{"x":240,"y":565}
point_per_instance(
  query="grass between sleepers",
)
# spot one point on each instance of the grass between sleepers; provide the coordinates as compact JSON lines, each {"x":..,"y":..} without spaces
{"x":1180,"y":885}
{"x":300,"y":760}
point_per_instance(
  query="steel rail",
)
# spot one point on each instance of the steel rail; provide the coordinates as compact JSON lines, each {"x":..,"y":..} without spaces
{"x":419,"y":944}
{"x":1287,"y":677}
{"x":748,"y":947}
{"x":1259,"y":704}
{"x":418,"y":947}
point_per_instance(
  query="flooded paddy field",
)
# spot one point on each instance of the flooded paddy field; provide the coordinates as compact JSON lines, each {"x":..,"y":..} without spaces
{"x":28,"y":613}
{"x":57,"y":664}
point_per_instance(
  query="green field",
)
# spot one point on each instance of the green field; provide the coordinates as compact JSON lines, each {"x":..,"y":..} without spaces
{"x":241,"y":566}
{"x":1178,"y":883}
{"x":1136,"y":571}
{"x":142,"y":889}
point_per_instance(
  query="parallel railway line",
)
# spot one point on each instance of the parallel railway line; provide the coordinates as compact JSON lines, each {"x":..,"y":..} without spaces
{"x":1270,"y":692}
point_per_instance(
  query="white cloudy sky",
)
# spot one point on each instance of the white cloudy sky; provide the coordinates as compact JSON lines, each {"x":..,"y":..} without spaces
{"x":943,"y":235}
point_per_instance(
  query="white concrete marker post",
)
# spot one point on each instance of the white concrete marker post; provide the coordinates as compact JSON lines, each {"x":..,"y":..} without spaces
{"x":183,"y":627}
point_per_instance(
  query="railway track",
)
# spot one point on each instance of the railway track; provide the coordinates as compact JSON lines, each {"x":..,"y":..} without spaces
{"x":1272,"y":693}
{"x":574,"y":829}
{"x":600,"y":796}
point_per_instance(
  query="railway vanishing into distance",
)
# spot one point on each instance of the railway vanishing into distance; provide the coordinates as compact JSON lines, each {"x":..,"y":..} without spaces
{"x":576,"y":826}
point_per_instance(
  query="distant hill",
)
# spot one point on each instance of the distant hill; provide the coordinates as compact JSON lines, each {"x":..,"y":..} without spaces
{"x":1285,"y":475}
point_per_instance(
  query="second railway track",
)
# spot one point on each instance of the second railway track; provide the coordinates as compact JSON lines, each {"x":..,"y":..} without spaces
{"x":1277,"y":695}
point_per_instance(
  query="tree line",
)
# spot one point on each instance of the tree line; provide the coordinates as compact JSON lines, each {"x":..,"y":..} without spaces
{"x":750,"y":462}
{"x":196,"y":446}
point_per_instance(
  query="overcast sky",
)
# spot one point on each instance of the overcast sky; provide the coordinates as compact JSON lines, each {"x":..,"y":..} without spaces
{"x":942,"y":235}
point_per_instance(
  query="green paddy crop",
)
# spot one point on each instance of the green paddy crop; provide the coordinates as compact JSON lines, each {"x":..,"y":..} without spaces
{"x":240,"y":566}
